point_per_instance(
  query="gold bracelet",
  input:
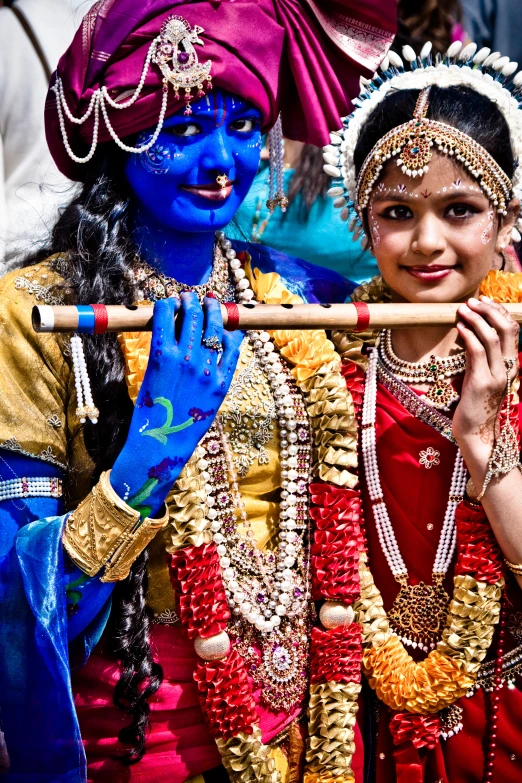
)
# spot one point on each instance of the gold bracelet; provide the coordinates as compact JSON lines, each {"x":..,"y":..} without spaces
{"x":505,"y":456}
{"x":104,"y":531}
{"x":472,"y":494}
{"x":516,"y":569}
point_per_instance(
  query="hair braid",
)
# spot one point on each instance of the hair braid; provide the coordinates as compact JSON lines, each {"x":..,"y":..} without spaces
{"x":141,"y":676}
{"x":94,"y":239}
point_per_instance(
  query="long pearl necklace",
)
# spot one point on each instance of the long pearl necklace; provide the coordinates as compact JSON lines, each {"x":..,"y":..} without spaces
{"x":419,"y":611}
{"x":263,"y":587}
{"x":268,"y":592}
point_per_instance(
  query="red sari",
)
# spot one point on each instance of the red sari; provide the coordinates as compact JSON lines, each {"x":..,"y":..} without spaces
{"x":416,"y":498}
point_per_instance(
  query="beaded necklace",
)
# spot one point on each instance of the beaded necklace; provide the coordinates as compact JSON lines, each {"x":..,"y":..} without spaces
{"x":441,"y":394}
{"x":419,"y":611}
{"x":268,"y":592}
{"x":153,"y":284}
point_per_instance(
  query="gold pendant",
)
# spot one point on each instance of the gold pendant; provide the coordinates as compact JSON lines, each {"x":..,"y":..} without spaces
{"x":278,"y":663}
{"x":419,"y":613}
{"x":441,"y":395}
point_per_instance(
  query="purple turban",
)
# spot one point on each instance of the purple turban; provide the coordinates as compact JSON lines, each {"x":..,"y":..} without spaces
{"x":302,"y":58}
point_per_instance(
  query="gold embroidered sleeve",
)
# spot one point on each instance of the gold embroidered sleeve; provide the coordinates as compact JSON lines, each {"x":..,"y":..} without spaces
{"x":36,"y":403}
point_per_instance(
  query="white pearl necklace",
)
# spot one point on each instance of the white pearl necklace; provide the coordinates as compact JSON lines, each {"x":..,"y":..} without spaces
{"x":280,"y":580}
{"x":387,"y":540}
{"x":243,"y":291}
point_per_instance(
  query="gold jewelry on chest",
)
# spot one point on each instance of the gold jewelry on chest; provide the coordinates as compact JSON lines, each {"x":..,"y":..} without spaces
{"x":249,"y":412}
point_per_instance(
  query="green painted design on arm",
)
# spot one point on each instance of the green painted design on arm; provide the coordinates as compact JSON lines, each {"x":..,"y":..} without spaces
{"x":161,"y":433}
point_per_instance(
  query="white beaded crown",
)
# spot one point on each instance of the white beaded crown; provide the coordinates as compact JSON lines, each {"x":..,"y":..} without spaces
{"x":487,"y":73}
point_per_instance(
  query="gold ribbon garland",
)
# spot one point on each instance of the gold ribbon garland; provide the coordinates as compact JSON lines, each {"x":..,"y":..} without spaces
{"x":423,"y":688}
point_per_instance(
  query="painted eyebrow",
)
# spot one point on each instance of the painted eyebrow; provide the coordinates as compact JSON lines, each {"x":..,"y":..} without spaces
{"x":449,"y":195}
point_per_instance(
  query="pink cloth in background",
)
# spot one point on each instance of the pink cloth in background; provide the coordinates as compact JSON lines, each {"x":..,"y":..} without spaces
{"x":179,"y":745}
{"x":458,"y":33}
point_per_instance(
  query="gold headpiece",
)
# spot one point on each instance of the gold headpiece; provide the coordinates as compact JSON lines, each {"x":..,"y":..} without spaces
{"x":413,"y":142}
{"x":178,"y":60}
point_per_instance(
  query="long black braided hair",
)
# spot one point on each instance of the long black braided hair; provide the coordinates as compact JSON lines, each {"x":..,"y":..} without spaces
{"x":94,"y":239}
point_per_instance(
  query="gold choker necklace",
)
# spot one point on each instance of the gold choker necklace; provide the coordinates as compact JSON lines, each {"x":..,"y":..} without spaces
{"x":441,"y":394}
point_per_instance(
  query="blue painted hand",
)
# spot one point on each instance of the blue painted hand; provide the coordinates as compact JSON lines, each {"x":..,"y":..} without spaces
{"x":184,"y":386}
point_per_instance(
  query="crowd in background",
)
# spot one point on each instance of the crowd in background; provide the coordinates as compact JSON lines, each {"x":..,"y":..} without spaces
{"x":34,"y":33}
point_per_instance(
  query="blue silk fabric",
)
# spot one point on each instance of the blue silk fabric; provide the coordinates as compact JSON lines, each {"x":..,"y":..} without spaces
{"x":39,"y":643}
{"x":314,"y":284}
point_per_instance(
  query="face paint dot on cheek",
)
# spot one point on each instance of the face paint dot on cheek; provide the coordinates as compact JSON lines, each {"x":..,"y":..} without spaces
{"x":487,"y":234}
{"x":207,"y":372}
{"x":374,"y":227}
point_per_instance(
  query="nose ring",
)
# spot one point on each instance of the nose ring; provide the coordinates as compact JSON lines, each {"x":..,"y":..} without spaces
{"x":222,"y":181}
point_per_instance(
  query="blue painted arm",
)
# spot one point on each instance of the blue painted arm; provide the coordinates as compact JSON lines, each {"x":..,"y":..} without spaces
{"x":85,"y":597}
{"x":182,"y":391}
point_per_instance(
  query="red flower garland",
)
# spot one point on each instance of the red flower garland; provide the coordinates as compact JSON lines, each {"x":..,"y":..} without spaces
{"x":421,"y":730}
{"x":354,"y":377}
{"x":479,"y":553}
{"x":225,"y":696}
{"x":195,"y":574}
{"x":337,"y":543}
{"x":336,"y":654}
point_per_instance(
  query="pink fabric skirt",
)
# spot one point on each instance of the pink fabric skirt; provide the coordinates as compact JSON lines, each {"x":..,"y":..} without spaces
{"x":179,"y":745}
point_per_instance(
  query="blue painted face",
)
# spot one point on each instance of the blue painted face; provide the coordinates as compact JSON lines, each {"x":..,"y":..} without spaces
{"x":201,"y":167}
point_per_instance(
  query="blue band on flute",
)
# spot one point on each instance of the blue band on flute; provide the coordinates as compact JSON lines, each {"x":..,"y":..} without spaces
{"x":86,"y":319}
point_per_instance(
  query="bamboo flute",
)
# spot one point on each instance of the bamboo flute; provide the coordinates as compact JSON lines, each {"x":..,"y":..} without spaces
{"x":97,"y":319}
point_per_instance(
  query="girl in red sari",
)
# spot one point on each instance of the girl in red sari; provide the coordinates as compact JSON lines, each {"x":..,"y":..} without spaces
{"x":429,"y":162}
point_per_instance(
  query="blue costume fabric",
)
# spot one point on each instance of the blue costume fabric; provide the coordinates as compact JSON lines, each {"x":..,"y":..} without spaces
{"x":322,"y":237}
{"x":41,"y":641}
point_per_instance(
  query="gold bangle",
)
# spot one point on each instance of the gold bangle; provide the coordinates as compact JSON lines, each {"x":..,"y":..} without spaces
{"x":104,"y":531}
{"x":516,"y":569}
{"x":472,"y":494}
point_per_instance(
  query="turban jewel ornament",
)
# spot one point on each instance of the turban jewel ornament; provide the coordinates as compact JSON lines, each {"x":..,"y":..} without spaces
{"x":132,"y":64}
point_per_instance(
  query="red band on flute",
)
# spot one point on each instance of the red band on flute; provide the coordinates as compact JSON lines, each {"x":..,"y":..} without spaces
{"x":233,"y":315}
{"x":363,"y":316}
{"x":101,"y":318}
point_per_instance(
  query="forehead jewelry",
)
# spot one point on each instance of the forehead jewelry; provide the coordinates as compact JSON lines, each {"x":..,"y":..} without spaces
{"x":411,"y":145}
{"x":173,"y":52}
{"x":178,"y":60}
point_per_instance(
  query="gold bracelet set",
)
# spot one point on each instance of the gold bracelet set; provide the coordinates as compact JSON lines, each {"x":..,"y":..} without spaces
{"x":103,"y":531}
{"x":516,"y":569}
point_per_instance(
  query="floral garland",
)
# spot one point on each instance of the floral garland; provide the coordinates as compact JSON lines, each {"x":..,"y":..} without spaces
{"x":340,"y":577}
